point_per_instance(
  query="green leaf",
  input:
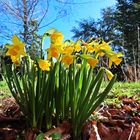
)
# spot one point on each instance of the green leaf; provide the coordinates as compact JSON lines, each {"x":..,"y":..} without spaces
{"x":40,"y":136}
{"x":56,"y":136}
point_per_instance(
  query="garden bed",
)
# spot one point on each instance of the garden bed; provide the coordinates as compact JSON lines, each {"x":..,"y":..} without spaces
{"x":113,"y":122}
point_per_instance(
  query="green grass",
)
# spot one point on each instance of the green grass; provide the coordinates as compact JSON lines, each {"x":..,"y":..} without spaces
{"x":4,"y":90}
{"x":129,"y":89}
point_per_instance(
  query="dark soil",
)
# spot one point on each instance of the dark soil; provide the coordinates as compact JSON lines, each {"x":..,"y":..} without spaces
{"x":11,"y":119}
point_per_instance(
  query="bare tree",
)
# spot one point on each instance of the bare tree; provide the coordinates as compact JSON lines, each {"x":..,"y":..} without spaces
{"x":18,"y":15}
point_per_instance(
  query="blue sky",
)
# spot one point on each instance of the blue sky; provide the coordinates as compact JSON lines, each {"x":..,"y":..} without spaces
{"x":78,"y":12}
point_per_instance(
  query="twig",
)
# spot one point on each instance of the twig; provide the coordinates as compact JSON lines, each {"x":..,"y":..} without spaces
{"x":131,"y":131}
{"x":96,"y":132}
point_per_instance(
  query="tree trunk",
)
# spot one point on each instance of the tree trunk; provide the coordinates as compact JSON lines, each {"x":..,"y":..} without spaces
{"x":25,"y":21}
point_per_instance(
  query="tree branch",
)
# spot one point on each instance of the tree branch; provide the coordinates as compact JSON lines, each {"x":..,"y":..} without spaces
{"x":66,"y":2}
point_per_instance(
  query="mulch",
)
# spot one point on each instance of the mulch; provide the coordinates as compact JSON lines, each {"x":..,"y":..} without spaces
{"x":114,"y":122}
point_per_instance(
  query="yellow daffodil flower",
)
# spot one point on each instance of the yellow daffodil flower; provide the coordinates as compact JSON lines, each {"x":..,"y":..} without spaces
{"x":114,"y":57}
{"x":15,"y":60}
{"x":67,"y":59}
{"x":92,"y":62}
{"x":56,"y":37}
{"x":77,"y":46}
{"x":52,"y":52}
{"x":68,"y":50}
{"x":88,"y":46}
{"x":44,"y":64}
{"x":109,"y":74}
{"x":90,"y":49}
{"x":105,"y":46}
{"x":16,"y":50}
{"x":100,"y":49}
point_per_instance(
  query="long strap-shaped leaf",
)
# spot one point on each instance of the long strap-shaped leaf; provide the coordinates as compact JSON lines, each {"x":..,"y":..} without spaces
{"x":91,"y":95}
{"x":103,"y":95}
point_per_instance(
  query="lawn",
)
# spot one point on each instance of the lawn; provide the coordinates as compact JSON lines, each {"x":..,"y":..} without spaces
{"x":4,"y":90}
{"x":129,"y":89}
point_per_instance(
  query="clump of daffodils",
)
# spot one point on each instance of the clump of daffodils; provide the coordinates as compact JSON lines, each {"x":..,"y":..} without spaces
{"x":63,"y":85}
{"x":68,"y":52}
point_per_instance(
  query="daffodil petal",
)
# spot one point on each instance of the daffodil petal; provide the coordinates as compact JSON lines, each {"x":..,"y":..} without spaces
{"x":92,"y":62}
{"x":44,"y":65}
{"x":109,"y":74}
{"x":15,"y":40}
